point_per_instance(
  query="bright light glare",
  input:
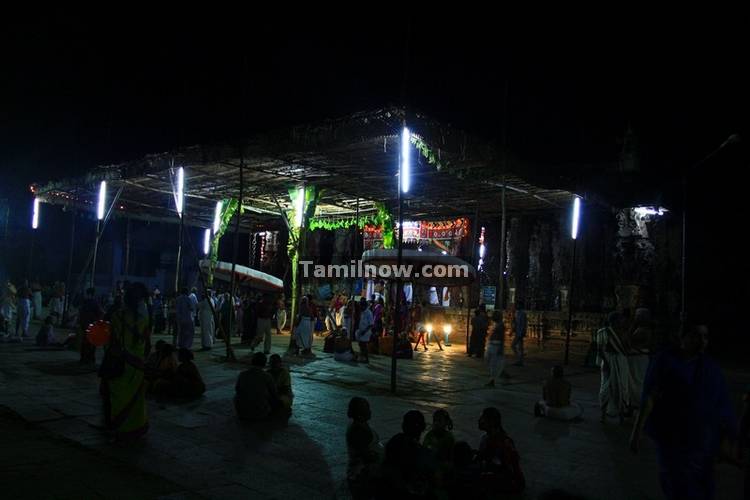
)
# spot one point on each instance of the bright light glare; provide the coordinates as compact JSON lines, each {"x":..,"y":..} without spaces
{"x":217,"y":216}
{"x":576,"y":216}
{"x":207,"y":241}
{"x":102,"y":200}
{"x":299,"y":204}
{"x":405,"y":176}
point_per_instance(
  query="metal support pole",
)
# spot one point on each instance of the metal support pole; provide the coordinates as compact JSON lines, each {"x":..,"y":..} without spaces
{"x":399,"y":287}
{"x":228,"y":335}
{"x":96,"y":251}
{"x":31,"y":255}
{"x":501,"y":286}
{"x":570,"y":302}
{"x":127,"y":246}
{"x":68,"y":277}
{"x":178,"y":265}
{"x":683,"y":305}
{"x":473,"y":260}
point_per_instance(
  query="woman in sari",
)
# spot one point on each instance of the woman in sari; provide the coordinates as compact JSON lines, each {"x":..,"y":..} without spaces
{"x":126,"y":391}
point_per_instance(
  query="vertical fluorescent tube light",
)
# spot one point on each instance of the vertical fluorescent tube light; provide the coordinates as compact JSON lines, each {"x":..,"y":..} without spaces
{"x":576,"y":216}
{"x":299,"y":206}
{"x":405,"y":174}
{"x":217,"y":216}
{"x":35,"y":216}
{"x":180,"y":190}
{"x":102,"y":200}
{"x":207,"y":241}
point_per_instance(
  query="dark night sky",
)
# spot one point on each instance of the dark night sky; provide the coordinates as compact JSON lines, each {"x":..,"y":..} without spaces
{"x":79,"y":91}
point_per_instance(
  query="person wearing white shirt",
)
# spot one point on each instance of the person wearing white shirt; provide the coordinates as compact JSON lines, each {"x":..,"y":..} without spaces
{"x":364,"y":331}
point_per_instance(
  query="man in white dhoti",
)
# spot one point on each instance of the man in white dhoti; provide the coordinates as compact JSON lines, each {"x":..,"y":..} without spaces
{"x":614,"y":392}
{"x":303,"y":331}
{"x":206,"y":309}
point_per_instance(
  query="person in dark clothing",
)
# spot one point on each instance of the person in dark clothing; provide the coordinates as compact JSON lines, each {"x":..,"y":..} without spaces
{"x":479,"y":325}
{"x":364,"y":450}
{"x":687,"y":411}
{"x":89,"y":313}
{"x":256,"y":396}
{"x":497,"y":457}
{"x":250,"y":321}
{"x":263,"y":327}
{"x":409,"y":469}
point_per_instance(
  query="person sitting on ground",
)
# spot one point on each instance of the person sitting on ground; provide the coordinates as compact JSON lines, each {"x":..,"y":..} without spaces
{"x":154,"y":358}
{"x":188,"y":382}
{"x":463,"y":480}
{"x":256,"y":396}
{"x":439,"y":440}
{"x":283,"y":381}
{"x":363,"y":448}
{"x":497,"y":456}
{"x":46,"y":335}
{"x":165,"y":365}
{"x":409,"y":469}
{"x":555,"y":401}
{"x":342,"y":348}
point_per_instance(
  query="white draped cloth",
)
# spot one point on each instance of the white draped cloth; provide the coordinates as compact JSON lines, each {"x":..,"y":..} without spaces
{"x":303,"y":333}
{"x":208,"y":325}
{"x":615,"y":392}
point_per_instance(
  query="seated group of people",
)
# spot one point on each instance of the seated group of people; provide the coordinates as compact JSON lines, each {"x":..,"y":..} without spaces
{"x":264,"y":394}
{"x":434,"y":467}
{"x":172,"y":372}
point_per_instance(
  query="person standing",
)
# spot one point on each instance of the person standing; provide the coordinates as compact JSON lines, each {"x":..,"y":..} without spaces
{"x":519,"y":333}
{"x":184,"y":318}
{"x":206,"y":309}
{"x":280,"y":314}
{"x":614,"y":369}
{"x":496,"y":349}
{"x":36,"y":297}
{"x":263,"y":332}
{"x":158,"y":308}
{"x":446,"y":297}
{"x":7,"y":310}
{"x":90,"y":312}
{"x":479,"y":326}
{"x":686,"y":410}
{"x":24,"y":313}
{"x":364,"y":330}
{"x":194,"y":301}
{"x":303,"y":330}
{"x":378,"y":307}
{"x":124,"y":390}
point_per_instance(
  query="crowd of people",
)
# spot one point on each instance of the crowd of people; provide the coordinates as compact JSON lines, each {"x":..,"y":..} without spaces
{"x":413,"y":464}
{"x":677,"y":393}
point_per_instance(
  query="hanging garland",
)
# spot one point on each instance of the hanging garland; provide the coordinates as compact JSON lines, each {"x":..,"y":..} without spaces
{"x":434,"y":159}
{"x":384,"y":219}
{"x":334,"y":224}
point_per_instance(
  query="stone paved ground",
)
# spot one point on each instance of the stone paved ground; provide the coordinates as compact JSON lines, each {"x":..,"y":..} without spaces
{"x":197,"y":449}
